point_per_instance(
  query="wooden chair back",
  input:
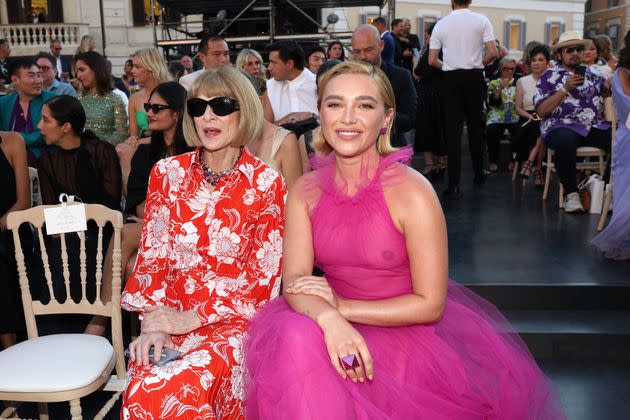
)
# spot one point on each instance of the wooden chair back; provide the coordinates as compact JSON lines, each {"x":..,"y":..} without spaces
{"x":36,"y":196}
{"x":101,"y":215}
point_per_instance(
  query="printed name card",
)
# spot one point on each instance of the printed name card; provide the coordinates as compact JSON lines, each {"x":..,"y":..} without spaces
{"x":69,"y":217}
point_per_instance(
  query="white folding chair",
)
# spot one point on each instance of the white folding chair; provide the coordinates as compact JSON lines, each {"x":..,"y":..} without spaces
{"x":65,"y":367}
{"x":36,"y":196}
{"x":611,"y":115}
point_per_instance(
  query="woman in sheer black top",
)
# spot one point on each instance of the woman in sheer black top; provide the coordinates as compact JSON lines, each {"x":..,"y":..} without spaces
{"x":78,"y":164}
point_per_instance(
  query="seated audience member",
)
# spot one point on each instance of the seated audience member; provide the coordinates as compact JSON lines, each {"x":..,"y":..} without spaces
{"x":367,"y":46}
{"x":614,"y":241}
{"x":524,"y":64}
{"x":119,"y":86}
{"x":251,"y":61}
{"x":213,"y":53}
{"x":530,"y":149}
{"x":430,"y":117}
{"x":78,"y":163}
{"x":209,"y":257}
{"x":604,"y":44}
{"x":502,"y":113}
{"x":276,"y":146}
{"x":187,"y":62}
{"x":46,"y":64}
{"x":127,"y":76}
{"x":105,"y":110}
{"x":5,"y":51}
{"x":176,"y":70}
{"x":591,"y":58}
{"x":165,"y":111}
{"x":336,"y":51}
{"x":315,"y":57}
{"x":572,"y":110}
{"x":15,"y":195}
{"x":385,"y":335}
{"x":62,"y":64}
{"x":291,"y":93}
{"x":21,"y":110}
{"x":306,"y":140}
{"x":87,"y":44}
{"x":149,"y":70}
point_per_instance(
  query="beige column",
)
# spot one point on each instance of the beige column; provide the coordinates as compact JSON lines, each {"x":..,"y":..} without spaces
{"x":4,"y":13}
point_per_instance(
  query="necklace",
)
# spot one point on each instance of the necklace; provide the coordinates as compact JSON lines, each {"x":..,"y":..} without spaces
{"x":213,"y":177}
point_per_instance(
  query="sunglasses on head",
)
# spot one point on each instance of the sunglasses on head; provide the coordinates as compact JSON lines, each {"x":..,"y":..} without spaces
{"x":155,"y":108}
{"x":220,"y":106}
{"x":571,"y":50}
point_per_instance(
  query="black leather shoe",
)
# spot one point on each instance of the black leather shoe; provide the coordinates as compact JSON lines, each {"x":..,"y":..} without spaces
{"x":452,"y":193}
{"x":480,"y":179}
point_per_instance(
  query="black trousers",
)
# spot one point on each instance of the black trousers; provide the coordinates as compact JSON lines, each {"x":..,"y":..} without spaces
{"x":565,"y":142}
{"x":463,"y":101}
{"x":493,"y":137}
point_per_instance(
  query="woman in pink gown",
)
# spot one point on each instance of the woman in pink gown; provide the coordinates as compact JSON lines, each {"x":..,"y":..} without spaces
{"x":385,"y":335}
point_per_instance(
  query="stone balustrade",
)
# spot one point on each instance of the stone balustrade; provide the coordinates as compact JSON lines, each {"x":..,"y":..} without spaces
{"x":29,"y":39}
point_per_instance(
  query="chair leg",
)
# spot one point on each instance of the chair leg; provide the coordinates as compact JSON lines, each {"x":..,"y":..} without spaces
{"x":75,"y":409}
{"x":547,"y":181}
{"x":560,"y":195}
{"x":605,"y":209}
{"x":515,"y":170}
{"x":43,"y":411}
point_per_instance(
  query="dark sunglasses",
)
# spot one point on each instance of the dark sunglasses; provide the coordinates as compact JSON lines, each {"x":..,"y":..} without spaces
{"x":571,"y":50}
{"x":220,"y":106}
{"x":155,"y":108}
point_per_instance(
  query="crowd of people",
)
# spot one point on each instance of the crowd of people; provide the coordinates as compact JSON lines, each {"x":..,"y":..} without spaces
{"x":202,"y":157}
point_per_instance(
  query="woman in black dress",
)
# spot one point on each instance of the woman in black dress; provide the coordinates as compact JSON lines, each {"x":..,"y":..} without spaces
{"x":15,"y":194}
{"x":430,"y":119}
{"x":79,"y":164}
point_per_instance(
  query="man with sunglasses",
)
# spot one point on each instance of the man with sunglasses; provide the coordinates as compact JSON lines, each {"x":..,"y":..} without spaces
{"x":570,"y":100}
{"x":46,"y":63}
{"x":213,"y":52}
{"x":62,"y":64}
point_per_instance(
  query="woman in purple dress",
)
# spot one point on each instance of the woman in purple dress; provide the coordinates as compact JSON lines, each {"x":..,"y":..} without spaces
{"x":614,"y":241}
{"x":385,"y":334}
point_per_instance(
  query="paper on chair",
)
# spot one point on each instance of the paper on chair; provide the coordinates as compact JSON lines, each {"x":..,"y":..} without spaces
{"x":68,"y":218}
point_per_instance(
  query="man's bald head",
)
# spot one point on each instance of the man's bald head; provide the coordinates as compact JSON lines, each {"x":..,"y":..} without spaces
{"x":367,"y":45}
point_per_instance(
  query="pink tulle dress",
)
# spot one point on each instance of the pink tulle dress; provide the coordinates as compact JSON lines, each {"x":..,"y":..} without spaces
{"x":469,"y":365}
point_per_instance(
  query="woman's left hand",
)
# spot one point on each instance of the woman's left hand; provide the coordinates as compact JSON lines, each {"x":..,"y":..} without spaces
{"x":316,"y":286}
{"x":169,"y":320}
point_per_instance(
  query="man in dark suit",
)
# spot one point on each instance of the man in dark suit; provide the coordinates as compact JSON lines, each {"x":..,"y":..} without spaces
{"x":367,"y":46}
{"x":64,"y":70}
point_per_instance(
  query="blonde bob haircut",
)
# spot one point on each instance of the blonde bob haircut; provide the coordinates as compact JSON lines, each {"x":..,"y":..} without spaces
{"x":153,"y":61}
{"x":227,"y":81}
{"x":383,"y":144}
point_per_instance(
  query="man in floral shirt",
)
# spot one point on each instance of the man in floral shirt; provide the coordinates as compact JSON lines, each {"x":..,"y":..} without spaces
{"x":572,"y":109}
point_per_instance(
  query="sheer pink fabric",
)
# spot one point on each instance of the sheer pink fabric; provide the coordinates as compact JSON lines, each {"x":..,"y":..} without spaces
{"x":469,"y":365}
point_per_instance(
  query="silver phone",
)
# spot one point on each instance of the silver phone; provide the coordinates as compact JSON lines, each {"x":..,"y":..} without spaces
{"x":168,"y":355}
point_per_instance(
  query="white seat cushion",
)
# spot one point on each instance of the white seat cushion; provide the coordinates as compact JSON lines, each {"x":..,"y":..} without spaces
{"x":54,"y":363}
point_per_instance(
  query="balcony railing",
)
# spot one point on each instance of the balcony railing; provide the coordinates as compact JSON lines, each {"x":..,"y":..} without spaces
{"x":28,"y":39}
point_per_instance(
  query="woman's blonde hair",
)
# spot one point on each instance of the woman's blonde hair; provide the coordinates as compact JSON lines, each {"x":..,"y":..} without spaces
{"x":153,"y":61}
{"x":227,"y":81}
{"x":383,"y":144}
{"x":84,"y":45}
{"x":241,"y":62}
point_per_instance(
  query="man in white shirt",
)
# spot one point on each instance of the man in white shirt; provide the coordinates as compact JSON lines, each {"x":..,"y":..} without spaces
{"x":62,"y":64}
{"x":291,"y":93}
{"x":213,"y":52}
{"x":461,"y":36}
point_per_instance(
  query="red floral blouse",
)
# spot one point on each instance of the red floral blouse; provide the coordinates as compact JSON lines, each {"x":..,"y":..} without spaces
{"x":217,"y":252}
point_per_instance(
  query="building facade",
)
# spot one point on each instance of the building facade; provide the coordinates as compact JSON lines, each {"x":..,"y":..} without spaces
{"x":515,"y":23}
{"x":610,"y":17}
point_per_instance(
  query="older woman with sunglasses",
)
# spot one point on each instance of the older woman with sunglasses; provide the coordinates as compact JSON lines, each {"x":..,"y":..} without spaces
{"x":502,"y":114}
{"x":209,"y":257}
